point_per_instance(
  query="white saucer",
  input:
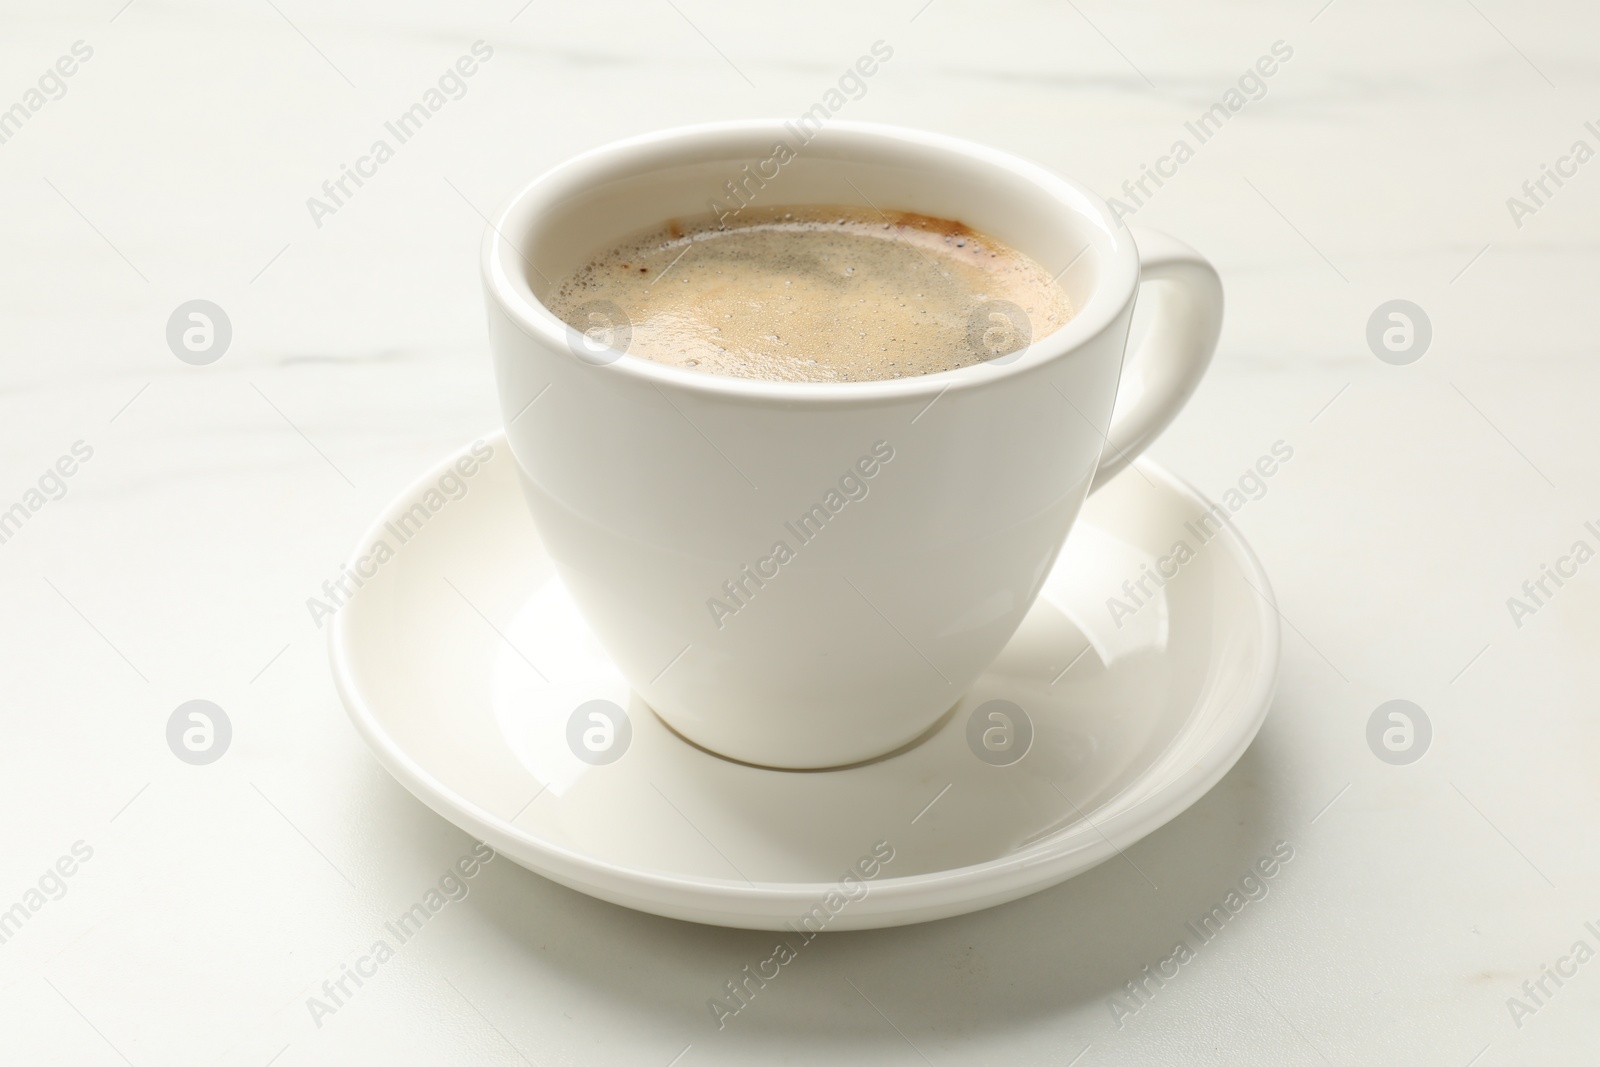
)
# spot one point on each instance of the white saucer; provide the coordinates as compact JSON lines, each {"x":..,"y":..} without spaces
{"x":462,"y":662}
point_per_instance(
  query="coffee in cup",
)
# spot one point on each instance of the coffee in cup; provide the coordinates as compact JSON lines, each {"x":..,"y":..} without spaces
{"x":818,"y":293}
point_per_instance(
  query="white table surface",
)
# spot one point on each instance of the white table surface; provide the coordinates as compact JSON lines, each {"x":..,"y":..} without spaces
{"x":218,"y":498}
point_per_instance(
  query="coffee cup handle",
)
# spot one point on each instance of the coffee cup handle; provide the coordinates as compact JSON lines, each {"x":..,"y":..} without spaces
{"x":1159,"y":377}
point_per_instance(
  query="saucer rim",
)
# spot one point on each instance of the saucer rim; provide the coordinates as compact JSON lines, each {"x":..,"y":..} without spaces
{"x":930,"y":894}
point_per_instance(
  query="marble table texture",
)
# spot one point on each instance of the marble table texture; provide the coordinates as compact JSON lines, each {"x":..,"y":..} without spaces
{"x":1385,"y":158}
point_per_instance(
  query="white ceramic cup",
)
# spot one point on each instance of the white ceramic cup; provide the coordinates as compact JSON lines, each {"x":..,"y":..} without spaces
{"x":918,"y":516}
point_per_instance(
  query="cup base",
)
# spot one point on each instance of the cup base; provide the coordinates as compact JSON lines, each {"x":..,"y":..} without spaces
{"x":937,"y":725}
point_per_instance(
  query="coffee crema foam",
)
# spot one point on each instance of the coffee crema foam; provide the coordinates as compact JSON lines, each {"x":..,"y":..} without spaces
{"x":817,"y":294}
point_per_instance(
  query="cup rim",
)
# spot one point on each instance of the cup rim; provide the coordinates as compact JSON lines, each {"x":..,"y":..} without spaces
{"x":511,"y":293}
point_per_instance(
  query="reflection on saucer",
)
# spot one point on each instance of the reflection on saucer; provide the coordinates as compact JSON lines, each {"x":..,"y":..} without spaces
{"x":551,"y":635}
{"x":1097,"y":600}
